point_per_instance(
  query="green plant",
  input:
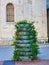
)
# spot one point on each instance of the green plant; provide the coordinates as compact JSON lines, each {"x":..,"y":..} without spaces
{"x":25,"y":38}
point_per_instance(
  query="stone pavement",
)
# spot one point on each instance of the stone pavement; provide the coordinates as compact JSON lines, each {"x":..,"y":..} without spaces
{"x":34,"y":62}
{"x":6,"y":53}
{"x":8,"y":63}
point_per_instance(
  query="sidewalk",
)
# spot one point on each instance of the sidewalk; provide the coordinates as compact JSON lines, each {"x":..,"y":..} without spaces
{"x":6,"y":56}
{"x":34,"y":62}
{"x":7,"y":52}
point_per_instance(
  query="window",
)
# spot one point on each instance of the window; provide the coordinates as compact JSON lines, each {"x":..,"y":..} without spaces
{"x":10,"y":12}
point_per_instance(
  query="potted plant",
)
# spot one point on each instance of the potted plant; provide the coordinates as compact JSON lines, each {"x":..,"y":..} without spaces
{"x":25,"y":41}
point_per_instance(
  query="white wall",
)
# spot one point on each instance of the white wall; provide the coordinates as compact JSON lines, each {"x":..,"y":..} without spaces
{"x":20,"y":13}
{"x":22,"y":10}
{"x":39,"y":15}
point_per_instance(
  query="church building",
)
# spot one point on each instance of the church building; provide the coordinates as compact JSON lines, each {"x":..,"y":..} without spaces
{"x":12,"y":11}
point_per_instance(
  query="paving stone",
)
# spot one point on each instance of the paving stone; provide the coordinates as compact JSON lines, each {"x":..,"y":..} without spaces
{"x":8,"y":63}
{"x":1,"y":62}
{"x":35,"y":62}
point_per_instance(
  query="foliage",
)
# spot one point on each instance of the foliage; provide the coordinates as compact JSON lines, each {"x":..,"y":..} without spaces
{"x":25,"y":38}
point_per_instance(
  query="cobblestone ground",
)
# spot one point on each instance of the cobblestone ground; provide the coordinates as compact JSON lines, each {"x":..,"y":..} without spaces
{"x":34,"y":62}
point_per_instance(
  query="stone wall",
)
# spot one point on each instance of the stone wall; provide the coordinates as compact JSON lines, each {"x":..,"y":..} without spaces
{"x":23,"y":9}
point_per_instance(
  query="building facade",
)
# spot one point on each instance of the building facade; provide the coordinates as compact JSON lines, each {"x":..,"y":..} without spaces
{"x":12,"y":11}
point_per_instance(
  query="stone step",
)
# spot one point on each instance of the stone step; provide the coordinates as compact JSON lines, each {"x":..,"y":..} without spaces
{"x":6,"y":42}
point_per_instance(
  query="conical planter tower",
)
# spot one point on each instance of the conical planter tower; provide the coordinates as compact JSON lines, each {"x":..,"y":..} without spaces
{"x":25,"y":41}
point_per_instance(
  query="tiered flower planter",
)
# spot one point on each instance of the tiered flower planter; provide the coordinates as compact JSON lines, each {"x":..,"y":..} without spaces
{"x":25,"y":43}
